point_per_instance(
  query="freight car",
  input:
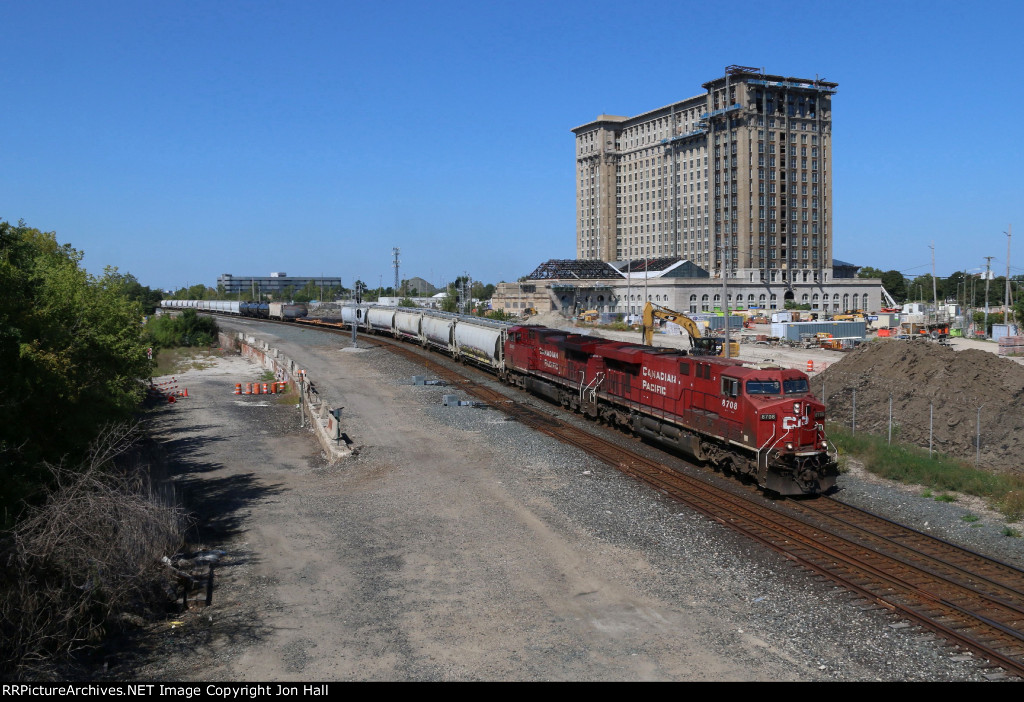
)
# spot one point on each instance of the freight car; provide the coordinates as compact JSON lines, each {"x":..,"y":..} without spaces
{"x":259,"y":310}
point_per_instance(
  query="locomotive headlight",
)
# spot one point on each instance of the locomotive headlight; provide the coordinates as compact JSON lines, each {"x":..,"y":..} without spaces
{"x":789,"y":447}
{"x":824,"y":444}
{"x":796,"y":408}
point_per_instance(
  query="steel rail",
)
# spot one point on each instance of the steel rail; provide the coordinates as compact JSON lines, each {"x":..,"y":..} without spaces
{"x":958,"y":611}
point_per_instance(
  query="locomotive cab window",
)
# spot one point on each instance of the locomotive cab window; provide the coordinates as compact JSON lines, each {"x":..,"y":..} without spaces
{"x":796,"y":386}
{"x":764,"y":387}
{"x":684,"y":369}
{"x":730,"y":387}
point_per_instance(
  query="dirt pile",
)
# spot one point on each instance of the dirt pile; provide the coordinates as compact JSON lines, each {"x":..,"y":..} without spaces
{"x":929,"y":380}
{"x":552,"y":320}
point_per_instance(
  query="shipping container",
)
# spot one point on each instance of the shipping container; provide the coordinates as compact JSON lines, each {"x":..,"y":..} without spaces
{"x":794,"y":331}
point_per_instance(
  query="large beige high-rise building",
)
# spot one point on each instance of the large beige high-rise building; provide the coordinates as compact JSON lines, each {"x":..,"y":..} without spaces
{"x":744,"y":168}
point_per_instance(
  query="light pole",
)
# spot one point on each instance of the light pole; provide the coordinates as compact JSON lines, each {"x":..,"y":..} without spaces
{"x":1006,"y":308}
{"x":988,"y":279}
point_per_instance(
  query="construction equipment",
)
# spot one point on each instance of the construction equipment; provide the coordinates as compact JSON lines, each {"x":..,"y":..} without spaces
{"x":589,"y":316}
{"x":893,"y":307}
{"x":700,"y":345}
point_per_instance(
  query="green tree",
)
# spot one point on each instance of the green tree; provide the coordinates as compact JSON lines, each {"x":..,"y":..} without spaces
{"x":73,"y":352}
{"x":449,"y":303}
{"x":895,"y":284}
{"x":920,"y":288}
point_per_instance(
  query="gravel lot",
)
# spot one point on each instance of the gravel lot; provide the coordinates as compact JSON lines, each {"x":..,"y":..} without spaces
{"x":457,"y":545}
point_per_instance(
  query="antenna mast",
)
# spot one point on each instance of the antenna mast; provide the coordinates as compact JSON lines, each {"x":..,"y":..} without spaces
{"x":395,"y":252}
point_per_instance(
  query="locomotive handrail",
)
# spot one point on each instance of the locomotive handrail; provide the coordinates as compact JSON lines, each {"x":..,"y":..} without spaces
{"x":777,"y":442}
{"x":596,"y":382}
{"x":828,"y":441}
{"x":775,"y":428}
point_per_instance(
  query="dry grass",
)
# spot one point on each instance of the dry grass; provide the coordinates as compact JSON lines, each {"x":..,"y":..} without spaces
{"x":85,"y":562}
{"x":179,"y":360}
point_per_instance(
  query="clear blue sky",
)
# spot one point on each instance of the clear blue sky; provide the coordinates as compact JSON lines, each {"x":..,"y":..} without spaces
{"x":182,"y":140}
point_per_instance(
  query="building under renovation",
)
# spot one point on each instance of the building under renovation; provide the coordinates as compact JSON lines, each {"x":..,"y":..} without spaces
{"x":737,"y":179}
{"x":622,"y":287}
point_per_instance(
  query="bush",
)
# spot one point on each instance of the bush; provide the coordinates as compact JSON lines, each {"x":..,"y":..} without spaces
{"x":186,"y":329}
{"x":84,"y":562}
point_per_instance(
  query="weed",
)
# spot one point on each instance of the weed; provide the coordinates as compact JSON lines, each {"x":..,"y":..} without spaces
{"x":938,"y":473}
{"x":1010,"y":531}
{"x":945,"y":498}
{"x":970,"y":517}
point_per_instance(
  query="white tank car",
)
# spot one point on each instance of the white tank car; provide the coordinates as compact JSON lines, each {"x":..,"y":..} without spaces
{"x":381,"y":319}
{"x":408,"y":324}
{"x":437,"y":331}
{"x":352,"y":314}
{"x":481,"y":342}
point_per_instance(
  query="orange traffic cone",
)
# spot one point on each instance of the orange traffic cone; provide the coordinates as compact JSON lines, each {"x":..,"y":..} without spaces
{"x":185,"y":393}
{"x":266,"y":389}
{"x":238,"y":388}
{"x":810,"y":366}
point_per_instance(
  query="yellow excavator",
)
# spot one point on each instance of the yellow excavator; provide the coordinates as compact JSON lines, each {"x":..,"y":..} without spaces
{"x":700,"y":345}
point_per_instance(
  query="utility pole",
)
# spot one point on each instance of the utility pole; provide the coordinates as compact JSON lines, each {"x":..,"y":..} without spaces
{"x":629,"y":289}
{"x":988,"y":279}
{"x":725,"y":303}
{"x":1006,"y":315}
{"x":935,"y":294}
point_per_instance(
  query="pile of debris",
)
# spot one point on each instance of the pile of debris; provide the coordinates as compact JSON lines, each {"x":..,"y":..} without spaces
{"x":932,"y":385}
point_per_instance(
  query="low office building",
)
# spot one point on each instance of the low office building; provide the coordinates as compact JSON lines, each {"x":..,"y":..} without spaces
{"x":273,"y":284}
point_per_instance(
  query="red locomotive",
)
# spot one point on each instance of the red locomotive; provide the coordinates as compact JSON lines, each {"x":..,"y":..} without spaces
{"x":757,"y":420}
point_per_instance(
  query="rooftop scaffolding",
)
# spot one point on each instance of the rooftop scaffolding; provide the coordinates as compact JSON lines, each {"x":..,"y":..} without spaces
{"x":572,"y":269}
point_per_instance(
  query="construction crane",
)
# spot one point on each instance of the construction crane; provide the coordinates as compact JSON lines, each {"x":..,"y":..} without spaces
{"x":893,"y":307}
{"x":700,"y":345}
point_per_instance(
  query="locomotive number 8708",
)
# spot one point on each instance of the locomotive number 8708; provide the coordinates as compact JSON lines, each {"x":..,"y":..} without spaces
{"x":753,"y":419}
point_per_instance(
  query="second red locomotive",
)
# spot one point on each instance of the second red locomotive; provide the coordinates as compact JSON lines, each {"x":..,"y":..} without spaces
{"x":754,"y":419}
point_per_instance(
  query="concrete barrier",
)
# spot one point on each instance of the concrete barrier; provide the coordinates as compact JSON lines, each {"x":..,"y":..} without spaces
{"x":325,"y":420}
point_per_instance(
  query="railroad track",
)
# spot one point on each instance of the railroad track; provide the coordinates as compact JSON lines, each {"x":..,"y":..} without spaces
{"x":969,"y":599}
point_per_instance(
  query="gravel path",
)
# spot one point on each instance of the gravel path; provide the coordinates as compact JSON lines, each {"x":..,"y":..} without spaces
{"x":460,"y":546}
